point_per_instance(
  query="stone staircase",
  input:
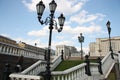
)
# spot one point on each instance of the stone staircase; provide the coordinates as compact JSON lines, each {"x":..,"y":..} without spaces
{"x":75,"y":73}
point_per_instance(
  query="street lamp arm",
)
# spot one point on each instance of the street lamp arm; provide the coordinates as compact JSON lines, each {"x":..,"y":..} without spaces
{"x":47,"y":20}
{"x":56,"y":27}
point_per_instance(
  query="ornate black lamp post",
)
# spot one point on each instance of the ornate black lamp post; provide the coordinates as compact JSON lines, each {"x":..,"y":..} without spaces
{"x":51,"y":20}
{"x":109,"y":31}
{"x":81,"y":40}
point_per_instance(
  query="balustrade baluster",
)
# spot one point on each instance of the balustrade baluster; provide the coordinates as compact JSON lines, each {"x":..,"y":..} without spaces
{"x":66,"y":77}
{"x":58,"y":78}
{"x":78,"y":75}
{"x":69,"y":76}
{"x":62,"y":77}
{"x":2,"y":48}
{"x":13,"y":51}
{"x":7,"y":49}
{"x":17,"y":51}
{"x":54,"y":78}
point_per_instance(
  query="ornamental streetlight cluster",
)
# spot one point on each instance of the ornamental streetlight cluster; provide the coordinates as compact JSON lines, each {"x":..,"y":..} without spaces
{"x":81,"y":40}
{"x":50,"y":19}
{"x":52,"y":22}
{"x":109,"y":32}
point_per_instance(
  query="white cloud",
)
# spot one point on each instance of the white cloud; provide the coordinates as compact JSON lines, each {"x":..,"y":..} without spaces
{"x":67,"y":31}
{"x":93,"y":28}
{"x":40,"y":33}
{"x":66,"y":6}
{"x":31,"y":5}
{"x":85,"y":17}
{"x":70,"y":6}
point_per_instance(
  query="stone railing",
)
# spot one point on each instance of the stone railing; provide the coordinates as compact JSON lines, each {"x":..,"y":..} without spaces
{"x":14,"y":50}
{"x":56,"y":62}
{"x":40,"y":66}
{"x":35,"y":69}
{"x":74,"y":73}
{"x":79,"y":72}
{"x":108,"y":63}
{"x":24,"y":77}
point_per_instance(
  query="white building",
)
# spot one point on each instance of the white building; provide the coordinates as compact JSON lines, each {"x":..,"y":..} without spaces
{"x":101,"y":46}
{"x":68,"y":50}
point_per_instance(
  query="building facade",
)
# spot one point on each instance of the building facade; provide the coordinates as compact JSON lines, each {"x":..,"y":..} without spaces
{"x":67,"y":50}
{"x":101,"y":46}
{"x":7,"y":40}
{"x":38,"y":50}
{"x":11,"y":47}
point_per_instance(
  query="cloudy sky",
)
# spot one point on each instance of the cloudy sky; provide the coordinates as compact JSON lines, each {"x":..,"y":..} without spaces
{"x":18,"y":21}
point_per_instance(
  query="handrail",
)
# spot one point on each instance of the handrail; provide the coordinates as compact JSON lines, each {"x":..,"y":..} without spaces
{"x":39,"y":66}
{"x":104,"y":59}
{"x":25,"y":77}
{"x":108,"y":63}
{"x":68,"y":70}
{"x":55,"y":62}
{"x":35,"y":69}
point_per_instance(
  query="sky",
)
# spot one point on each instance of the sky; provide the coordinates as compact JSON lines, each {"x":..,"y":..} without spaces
{"x":18,"y":21}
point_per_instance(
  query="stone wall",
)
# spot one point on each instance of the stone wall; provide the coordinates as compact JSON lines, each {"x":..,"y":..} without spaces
{"x":12,"y":60}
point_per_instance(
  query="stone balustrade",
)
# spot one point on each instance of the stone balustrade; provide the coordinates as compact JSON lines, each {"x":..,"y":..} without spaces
{"x":55,"y":62}
{"x":39,"y":66}
{"x":10,"y":49}
{"x":108,"y":63}
{"x":78,"y":72}
{"x":24,"y":77}
{"x":35,"y":69}
{"x":74,"y":73}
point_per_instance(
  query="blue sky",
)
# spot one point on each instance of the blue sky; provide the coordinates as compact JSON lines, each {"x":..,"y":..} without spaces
{"x":18,"y":21}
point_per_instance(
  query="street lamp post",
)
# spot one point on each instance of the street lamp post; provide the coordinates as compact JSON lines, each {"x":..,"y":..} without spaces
{"x":109,"y":31}
{"x":81,"y":40}
{"x":52,"y":22}
{"x":99,"y":50}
